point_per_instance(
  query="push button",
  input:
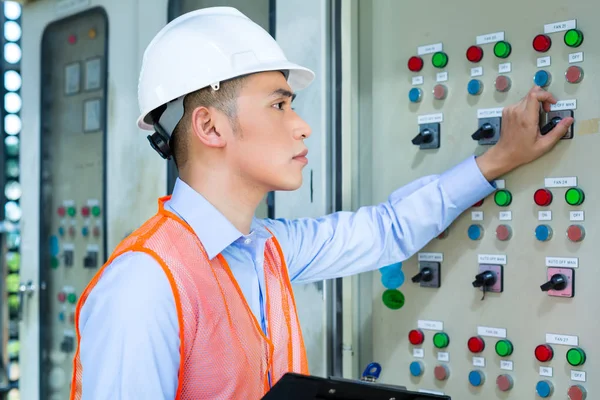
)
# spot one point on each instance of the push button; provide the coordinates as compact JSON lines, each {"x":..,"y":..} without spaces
{"x":577,"y":392}
{"x":543,"y":233}
{"x":475,"y":87}
{"x":476,"y":378}
{"x":504,"y":383}
{"x":576,"y":233}
{"x":475,"y":232}
{"x":544,"y":389}
{"x":542,"y":78}
{"x":415,"y":95}
{"x":416,"y":368}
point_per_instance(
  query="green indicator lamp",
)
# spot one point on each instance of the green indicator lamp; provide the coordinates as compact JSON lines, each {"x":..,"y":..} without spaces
{"x":504,"y":348}
{"x":573,"y":38}
{"x":574,"y":196}
{"x":441,"y":340}
{"x":439,"y":59}
{"x":502,"y":49}
{"x":503,"y":198}
{"x":576,"y":357}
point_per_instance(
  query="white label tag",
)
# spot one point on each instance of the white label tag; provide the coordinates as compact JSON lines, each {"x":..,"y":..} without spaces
{"x":543,"y":62}
{"x":561,"y":182}
{"x":564,"y":105}
{"x":506,"y":365}
{"x":479,"y":361}
{"x":504,"y":68}
{"x":477,"y":215}
{"x":562,"y":262}
{"x":92,"y":202}
{"x":576,"y":216}
{"x":500,"y":183}
{"x":545,"y":215}
{"x":546,"y":371}
{"x":578,"y":376}
{"x":491,"y":332}
{"x":430,"y":325}
{"x":417,"y":80}
{"x":68,"y":203}
{"x":69,"y":246}
{"x":491,"y":259}
{"x":489,"y":112}
{"x":575,"y":57}
{"x":560,"y":26}
{"x":435,"y":257}
{"x":443,"y":357}
{"x":562,"y":340}
{"x":418,"y":353}
{"x":430,"y":118}
{"x":441,"y":77}
{"x":477,"y":71}
{"x":93,"y":247}
{"x":429,"y":48}
{"x":489,"y":38}
{"x":505,"y":216}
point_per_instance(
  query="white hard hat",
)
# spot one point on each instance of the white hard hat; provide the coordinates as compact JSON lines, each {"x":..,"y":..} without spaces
{"x":203,"y":48}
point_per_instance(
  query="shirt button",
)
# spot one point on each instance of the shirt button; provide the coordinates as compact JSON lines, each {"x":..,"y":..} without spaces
{"x":248,"y":241}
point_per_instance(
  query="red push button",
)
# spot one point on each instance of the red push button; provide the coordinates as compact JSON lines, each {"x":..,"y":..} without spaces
{"x":441,"y":372}
{"x":574,"y":74}
{"x":474,"y":54}
{"x":504,"y":383}
{"x":577,"y":392}
{"x":575,"y":233}
{"x":542,"y":197}
{"x":544,"y":353}
{"x":503,"y":83}
{"x":503,"y":232}
{"x":440,"y":92}
{"x":476,"y":344}
{"x":415,"y":64}
{"x":542,"y":43}
{"x":416,"y":337}
{"x":71,"y":231}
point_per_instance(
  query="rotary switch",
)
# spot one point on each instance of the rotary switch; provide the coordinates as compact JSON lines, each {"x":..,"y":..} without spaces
{"x":485,"y":279}
{"x":556,"y":282}
{"x":425,"y":136}
{"x":485,"y":131}
{"x":425,"y":275}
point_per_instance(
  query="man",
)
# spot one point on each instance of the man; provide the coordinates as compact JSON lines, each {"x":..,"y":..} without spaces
{"x":197,"y":304}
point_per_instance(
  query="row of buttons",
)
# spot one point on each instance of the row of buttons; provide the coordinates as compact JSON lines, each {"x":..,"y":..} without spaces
{"x":573,"y":38}
{"x":543,"y":233}
{"x":85,"y":211}
{"x":542,"y":197}
{"x":85,"y":231}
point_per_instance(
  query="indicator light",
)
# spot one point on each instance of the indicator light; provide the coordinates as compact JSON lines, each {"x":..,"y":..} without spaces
{"x":61,"y":211}
{"x":542,"y":78}
{"x":71,"y":211}
{"x":542,"y":43}
{"x":96,"y":211}
{"x":504,"y":383}
{"x":393,"y":299}
{"x":573,"y":38}
{"x":475,"y":232}
{"x":575,"y":233}
{"x":544,"y":353}
{"x":416,"y":337}
{"x":62,"y":297}
{"x":502,"y":49}
{"x":474,"y":54}
{"x":92,"y":33}
{"x":503,"y":198}
{"x":439,"y":59}
{"x":416,"y":368}
{"x":415,"y":64}
{"x":542,"y":197}
{"x":441,"y":340}
{"x":476,"y":344}
{"x":415,"y":95}
{"x":504,"y":348}
{"x":543,"y":233}
{"x":72,"y":298}
{"x":54,"y":263}
{"x":72,"y":39}
{"x":503,"y":83}
{"x":574,"y":196}
{"x":574,"y":74}
{"x":475,"y":87}
{"x":85,"y":211}
{"x":576,"y":357}
{"x":476,"y":378}
{"x":544,"y":389}
{"x":479,"y":203}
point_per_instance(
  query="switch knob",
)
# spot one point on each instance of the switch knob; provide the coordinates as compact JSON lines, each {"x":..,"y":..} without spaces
{"x":557,"y":282}
{"x":486,"y":278}
{"x":425,"y":136}
{"x":550,"y":125}
{"x":504,"y":383}
{"x":425,"y":275}
{"x":485,"y":131}
{"x":577,"y":392}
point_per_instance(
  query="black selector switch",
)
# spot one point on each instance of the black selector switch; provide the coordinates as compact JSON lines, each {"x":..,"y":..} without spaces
{"x":428,"y":137}
{"x":550,"y":125}
{"x":91,"y":260}
{"x":485,"y":131}
{"x":425,"y":275}
{"x":485,"y":279}
{"x":430,"y":274}
{"x":556,"y":282}
{"x":424,"y":137}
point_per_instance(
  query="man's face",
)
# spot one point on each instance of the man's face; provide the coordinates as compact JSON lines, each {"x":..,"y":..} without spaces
{"x":268,"y":150}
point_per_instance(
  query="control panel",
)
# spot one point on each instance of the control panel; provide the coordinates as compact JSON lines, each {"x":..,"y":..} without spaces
{"x":73,"y":183}
{"x":500,"y":305}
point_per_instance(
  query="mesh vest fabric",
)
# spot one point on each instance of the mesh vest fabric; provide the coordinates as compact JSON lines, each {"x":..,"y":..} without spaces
{"x":223,"y":352}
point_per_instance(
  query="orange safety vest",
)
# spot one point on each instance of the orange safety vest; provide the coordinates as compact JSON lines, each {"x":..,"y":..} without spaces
{"x":224,"y":354}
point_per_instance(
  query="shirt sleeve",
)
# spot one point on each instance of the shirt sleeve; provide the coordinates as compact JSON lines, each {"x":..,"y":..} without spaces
{"x":129,"y":330}
{"x":347,"y":243}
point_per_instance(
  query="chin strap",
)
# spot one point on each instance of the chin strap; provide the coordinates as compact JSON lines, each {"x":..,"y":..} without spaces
{"x":164,"y":121}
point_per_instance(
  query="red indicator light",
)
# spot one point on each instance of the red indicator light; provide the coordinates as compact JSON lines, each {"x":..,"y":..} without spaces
{"x":72,"y":39}
{"x":85,"y":211}
{"x":544,"y":353}
{"x":479,"y":203}
{"x":416,"y":337}
{"x":476,"y":344}
{"x":415,"y":64}
{"x":542,"y":43}
{"x":474,"y":54}
{"x":542,"y":197}
{"x":61,"y":211}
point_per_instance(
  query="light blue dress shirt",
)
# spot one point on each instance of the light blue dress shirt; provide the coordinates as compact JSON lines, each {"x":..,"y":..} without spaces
{"x":129,"y":331}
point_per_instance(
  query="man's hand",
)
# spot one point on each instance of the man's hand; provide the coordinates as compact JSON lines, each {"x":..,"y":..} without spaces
{"x":521,"y":141}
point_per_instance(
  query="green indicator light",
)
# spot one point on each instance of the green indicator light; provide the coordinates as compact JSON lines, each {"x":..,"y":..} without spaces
{"x":72,"y":298}
{"x":71,"y":211}
{"x":573,"y":38}
{"x":502,"y":49}
{"x":393,"y":299}
{"x":576,"y":357}
{"x":13,"y":261}
{"x":439,"y":59}
{"x":574,"y":196}
{"x":503,"y":198}
{"x":441,"y":340}
{"x":54,"y":262}
{"x":96,"y":211}
{"x":504,"y":348}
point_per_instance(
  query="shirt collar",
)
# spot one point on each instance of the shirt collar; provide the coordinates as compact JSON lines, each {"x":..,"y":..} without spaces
{"x":212,"y":228}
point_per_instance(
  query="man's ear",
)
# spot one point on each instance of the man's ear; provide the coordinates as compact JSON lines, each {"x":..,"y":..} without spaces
{"x":204,"y":126}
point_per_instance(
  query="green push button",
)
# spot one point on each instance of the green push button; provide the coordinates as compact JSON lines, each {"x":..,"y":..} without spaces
{"x":439,"y":59}
{"x":574,"y":196}
{"x":576,"y":357}
{"x":71,"y":211}
{"x":54,"y":263}
{"x":393,"y":299}
{"x":502,"y":49}
{"x":96,"y":211}
{"x":72,"y":298}
{"x":503,"y":198}
{"x":504,"y":348}
{"x":573,"y":38}
{"x":441,"y":340}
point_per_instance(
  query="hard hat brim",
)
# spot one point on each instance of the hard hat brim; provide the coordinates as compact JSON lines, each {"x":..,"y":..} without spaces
{"x":298,"y":78}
